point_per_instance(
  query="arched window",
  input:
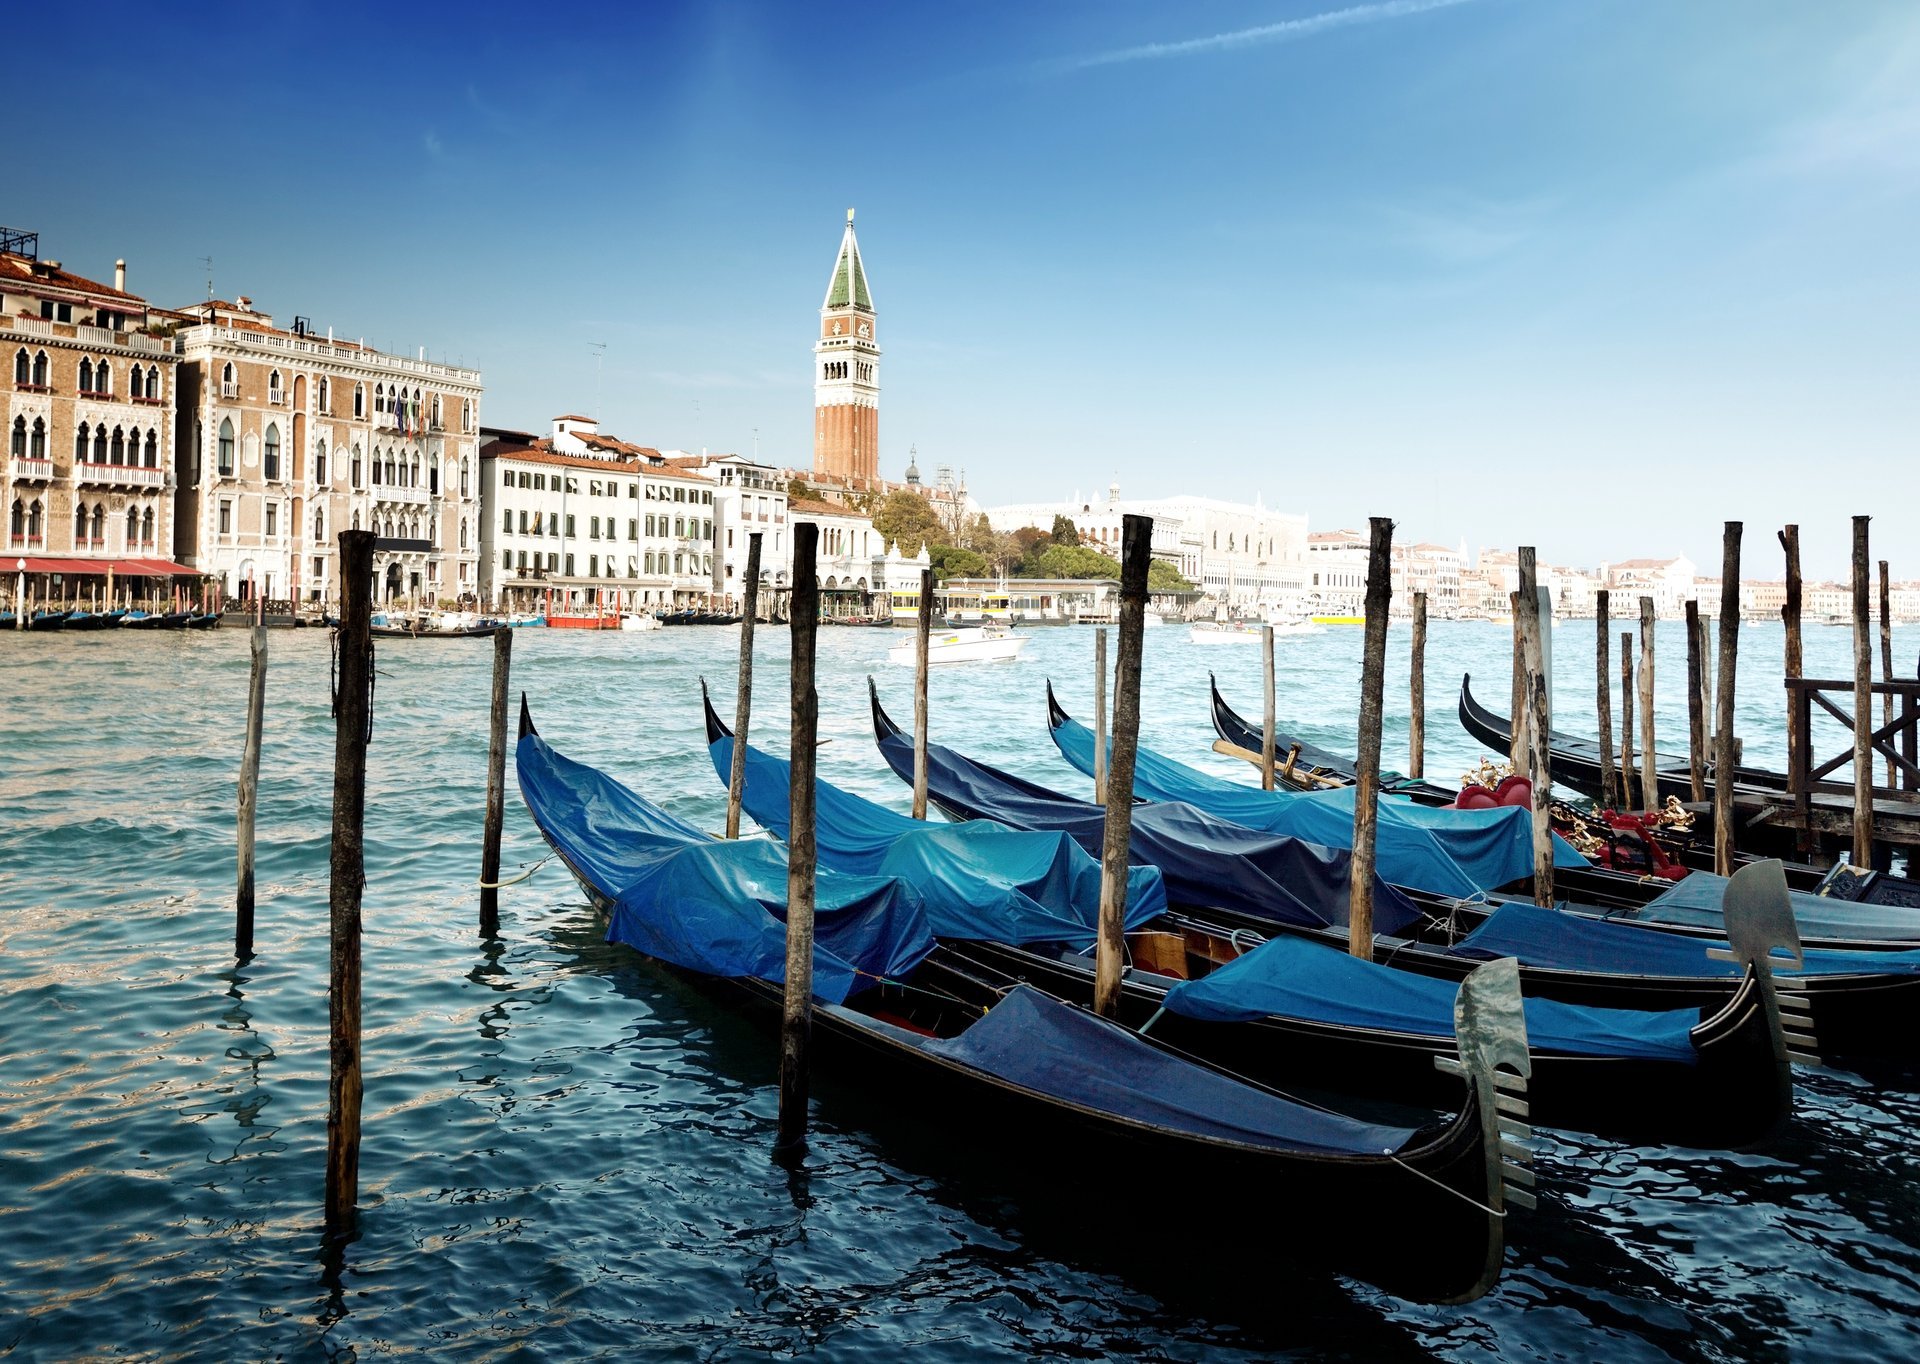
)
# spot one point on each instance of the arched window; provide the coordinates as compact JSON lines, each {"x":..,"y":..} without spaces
{"x":152,"y":454}
{"x":133,"y":523}
{"x":153,"y":382}
{"x":359,"y":406}
{"x":227,"y":390}
{"x":19,"y":447}
{"x":270,"y":460}
{"x":376,"y":469}
{"x":35,"y":518}
{"x":413,"y":474}
{"x":326,"y":392}
{"x":40,"y":369}
{"x":22,"y":372}
{"x":99,"y":523}
{"x":225,"y":465}
{"x":319,"y":525}
{"x":86,"y":376}
{"x":103,"y":378}
{"x":379,"y":400}
{"x":354,"y":471}
{"x":391,"y":479}
{"x":356,"y":520}
{"x":79,"y":523}
{"x":100,"y":443}
{"x":118,"y":455}
{"x":463,"y":532}
{"x":136,"y":383}
{"x":275,"y":389}
{"x":146,"y":526}
{"x":17,"y":521}
{"x":80,"y":443}
{"x":39,"y":447}
{"x":320,"y":464}
{"x":463,"y":476}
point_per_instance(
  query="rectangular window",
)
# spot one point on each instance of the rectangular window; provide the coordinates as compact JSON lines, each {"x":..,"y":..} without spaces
{"x":506,"y":521}
{"x":553,"y":523}
{"x":273,"y":519}
{"x":730,"y":541}
{"x":226,"y":517}
{"x":593,"y":565}
{"x":523,"y":558}
{"x":506,"y":558}
{"x":539,"y":482}
{"x":593,"y":528}
{"x":570,"y":530}
{"x":319,"y":570}
{"x":569,"y":565}
{"x":633,"y":528}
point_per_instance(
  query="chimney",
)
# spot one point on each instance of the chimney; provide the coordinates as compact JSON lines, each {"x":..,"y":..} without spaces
{"x":244,"y":304}
{"x":120,"y":275}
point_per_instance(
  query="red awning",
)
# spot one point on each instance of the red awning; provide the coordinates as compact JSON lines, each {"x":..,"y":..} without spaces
{"x":124,"y":568}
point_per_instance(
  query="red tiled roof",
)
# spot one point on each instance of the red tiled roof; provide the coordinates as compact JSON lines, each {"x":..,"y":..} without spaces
{"x":541,"y":452}
{"x":1646,"y":563}
{"x":813,"y":506}
{"x":575,"y":417}
{"x":13,"y":266}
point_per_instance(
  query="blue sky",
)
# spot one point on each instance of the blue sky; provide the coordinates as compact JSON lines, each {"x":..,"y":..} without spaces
{"x":1593,"y":274}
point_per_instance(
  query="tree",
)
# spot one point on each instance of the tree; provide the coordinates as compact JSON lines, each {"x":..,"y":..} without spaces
{"x":1164,"y":577}
{"x":907,"y":520}
{"x":1064,"y":531}
{"x":950,"y":561}
{"x":1072,"y":561}
{"x":798,"y":490}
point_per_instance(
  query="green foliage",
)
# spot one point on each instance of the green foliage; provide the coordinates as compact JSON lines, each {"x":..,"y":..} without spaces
{"x":1164,"y":577}
{"x":907,"y":520}
{"x":1072,"y":561}
{"x":950,"y":561}
{"x":798,"y":489}
{"x":1064,"y":531}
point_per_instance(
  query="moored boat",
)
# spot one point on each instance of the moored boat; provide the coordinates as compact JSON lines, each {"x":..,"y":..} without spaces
{"x":966,"y":644}
{"x":1223,"y":632}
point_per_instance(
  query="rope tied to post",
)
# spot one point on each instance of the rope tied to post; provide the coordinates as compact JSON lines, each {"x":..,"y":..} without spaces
{"x":516,"y":880}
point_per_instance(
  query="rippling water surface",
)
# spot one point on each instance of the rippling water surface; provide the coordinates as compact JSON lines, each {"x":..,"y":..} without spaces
{"x":567,"y":1153}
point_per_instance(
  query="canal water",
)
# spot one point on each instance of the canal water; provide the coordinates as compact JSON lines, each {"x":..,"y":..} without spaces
{"x":567,"y":1152}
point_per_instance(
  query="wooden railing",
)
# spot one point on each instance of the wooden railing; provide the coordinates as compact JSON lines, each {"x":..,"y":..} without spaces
{"x":1897,"y":741}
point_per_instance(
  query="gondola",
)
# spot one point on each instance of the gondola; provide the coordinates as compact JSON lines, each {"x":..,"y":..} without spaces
{"x":1024,"y":1076}
{"x":1863,"y":1003}
{"x":1576,"y":761}
{"x":1311,"y":768}
{"x":47,"y":620}
{"x":1290,"y":1011}
{"x":462,"y":632}
{"x":205,"y":620}
{"x":94,"y":620}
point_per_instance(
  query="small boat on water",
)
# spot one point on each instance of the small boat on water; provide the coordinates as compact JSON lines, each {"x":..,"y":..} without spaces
{"x":639,"y":620}
{"x":94,"y":620}
{"x":48,"y":620}
{"x":434,"y":625}
{"x":1223,"y":632}
{"x":966,"y":644}
{"x":1028,"y":1080}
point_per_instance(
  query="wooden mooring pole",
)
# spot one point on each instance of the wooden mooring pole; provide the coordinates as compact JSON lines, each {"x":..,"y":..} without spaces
{"x":1517,"y":701}
{"x":1626,"y":724}
{"x":347,"y":878}
{"x":1417,"y":716}
{"x":1099,"y":714}
{"x":1603,"y":700}
{"x":923,"y":629}
{"x":1792,"y":666}
{"x":1366,"y":784}
{"x":249,"y":793}
{"x":1649,"y":765}
{"x":796,"y":1023}
{"x":1696,"y":707}
{"x":1539,"y":757}
{"x":743,"y":693}
{"x":1136,"y":543}
{"x":1862,"y":697}
{"x":496,"y":784}
{"x":1886,"y":656}
{"x":1267,"y":718}
{"x":1724,"y":742}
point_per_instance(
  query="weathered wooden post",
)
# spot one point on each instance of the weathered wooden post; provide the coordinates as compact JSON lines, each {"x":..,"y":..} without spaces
{"x":1603,"y":700}
{"x":1862,"y":698}
{"x":1649,"y":765}
{"x":1517,"y":702}
{"x":1708,"y":636}
{"x":1366,"y":784}
{"x":1136,"y":543}
{"x":352,"y":711}
{"x":796,"y":1023}
{"x":1792,"y":666}
{"x":743,"y":693}
{"x":496,"y":785}
{"x":1886,"y":657}
{"x":1723,"y":740}
{"x":249,"y":792}
{"x":1539,"y":758}
{"x":20,"y":608}
{"x":1626,"y":724}
{"x":1696,"y":709}
{"x":923,"y":628}
{"x":1267,"y":719}
{"x":1099,"y":714}
{"x":1417,"y":717}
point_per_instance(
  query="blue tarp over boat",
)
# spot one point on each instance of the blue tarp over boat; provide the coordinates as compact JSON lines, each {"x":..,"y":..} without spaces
{"x":1430,"y":848}
{"x":977,"y":880}
{"x":1205,"y":861}
{"x":710,"y":906}
{"x":1293,"y":978}
{"x":1051,"y":1048}
{"x":1694,"y":902}
{"x":1553,"y":938}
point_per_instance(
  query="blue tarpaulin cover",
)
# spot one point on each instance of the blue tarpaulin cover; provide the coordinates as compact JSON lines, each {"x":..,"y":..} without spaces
{"x":1293,"y":978}
{"x":711,"y":906}
{"x":977,"y":880}
{"x":1694,"y":902}
{"x":1444,"y":851}
{"x":1206,"y":861}
{"x":1553,"y":938}
{"x":1052,"y":1048}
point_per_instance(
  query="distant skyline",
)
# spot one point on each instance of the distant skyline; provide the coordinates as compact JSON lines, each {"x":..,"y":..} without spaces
{"x":1590,"y":274}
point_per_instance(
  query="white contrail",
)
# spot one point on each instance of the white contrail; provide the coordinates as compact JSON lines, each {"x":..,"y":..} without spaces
{"x":1287,"y":30}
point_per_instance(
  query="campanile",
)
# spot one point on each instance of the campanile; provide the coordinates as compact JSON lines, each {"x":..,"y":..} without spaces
{"x":846,"y":374}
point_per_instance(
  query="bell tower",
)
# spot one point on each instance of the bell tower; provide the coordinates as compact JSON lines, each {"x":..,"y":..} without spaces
{"x":846,"y":374}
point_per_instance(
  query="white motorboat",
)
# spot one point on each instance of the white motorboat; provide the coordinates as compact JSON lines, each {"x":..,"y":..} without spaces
{"x":639,"y":620}
{"x":969,"y":644}
{"x":1223,"y":632}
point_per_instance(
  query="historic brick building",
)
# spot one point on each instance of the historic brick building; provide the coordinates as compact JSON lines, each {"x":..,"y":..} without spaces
{"x":846,"y":375}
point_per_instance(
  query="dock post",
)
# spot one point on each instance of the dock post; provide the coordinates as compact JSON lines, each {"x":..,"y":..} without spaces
{"x":923,"y":628}
{"x":1696,"y":706}
{"x":1267,"y":708}
{"x":1886,"y":658}
{"x":1417,"y":716}
{"x":1626,"y":723}
{"x":1136,"y":544}
{"x":743,"y":691}
{"x":1099,"y":715}
{"x":1792,"y":667}
{"x":1366,"y":782}
{"x":353,"y":707}
{"x":496,"y":784}
{"x":1539,"y":758}
{"x":1517,"y":701}
{"x":249,"y":793}
{"x":796,"y":1022}
{"x":20,"y":611}
{"x":1649,"y":765}
{"x":1603,"y":700}
{"x":1724,"y":743}
{"x":1862,"y":698}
